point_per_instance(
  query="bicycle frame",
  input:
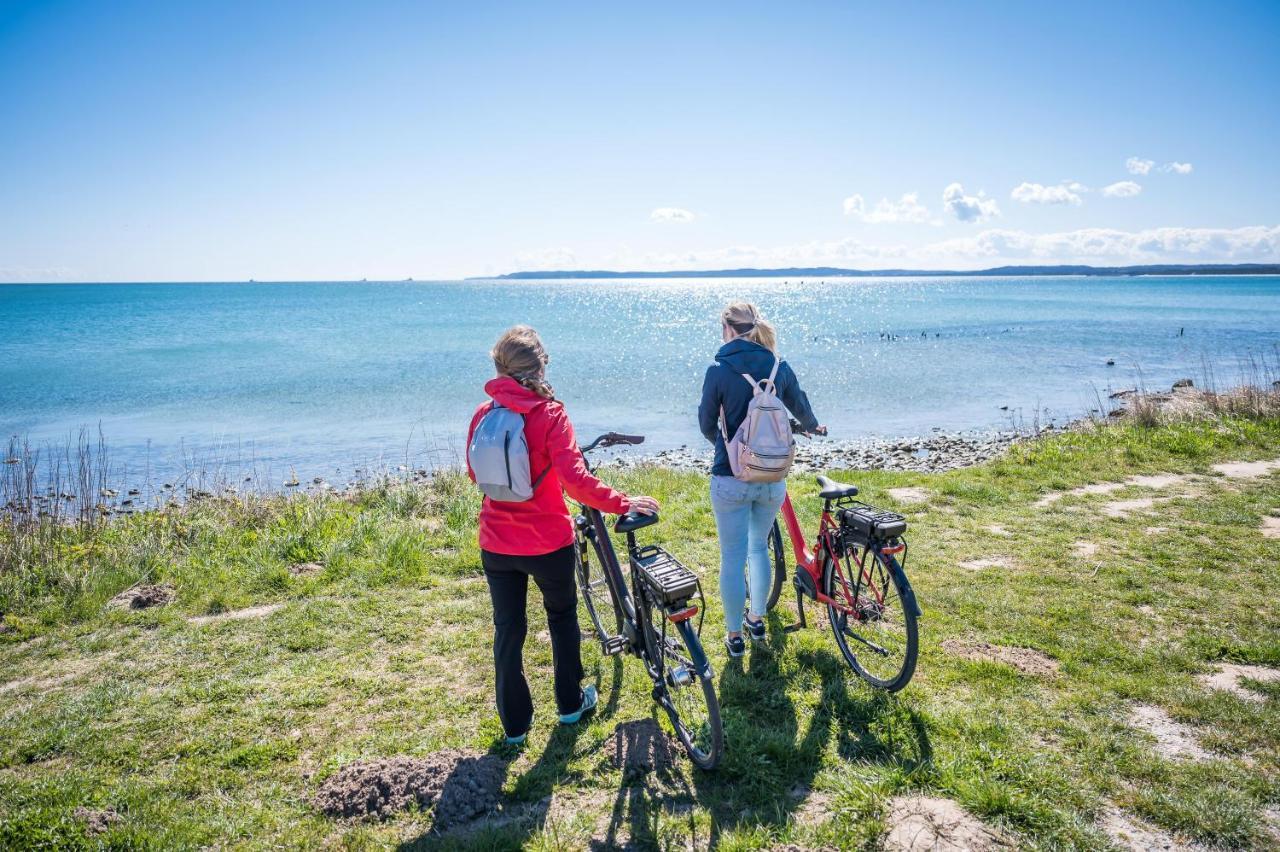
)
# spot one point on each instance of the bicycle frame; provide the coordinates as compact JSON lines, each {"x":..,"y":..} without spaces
{"x":810,"y":560}
{"x":592,"y":530}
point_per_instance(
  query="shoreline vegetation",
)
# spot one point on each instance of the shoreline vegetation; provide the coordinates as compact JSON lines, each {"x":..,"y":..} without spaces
{"x":1100,"y":662}
{"x":1159,"y":269}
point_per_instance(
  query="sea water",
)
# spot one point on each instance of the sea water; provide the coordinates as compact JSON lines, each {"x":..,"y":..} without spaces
{"x":327,"y":377}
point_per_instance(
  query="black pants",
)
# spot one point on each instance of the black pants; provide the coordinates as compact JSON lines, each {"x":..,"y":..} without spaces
{"x":508,"y":578}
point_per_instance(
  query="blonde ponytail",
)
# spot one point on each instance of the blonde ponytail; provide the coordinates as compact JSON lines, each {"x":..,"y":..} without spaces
{"x":745,"y":320}
{"x":519,"y":354}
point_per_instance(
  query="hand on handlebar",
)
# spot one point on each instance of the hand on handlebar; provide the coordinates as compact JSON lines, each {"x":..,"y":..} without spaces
{"x":800,"y":430}
{"x":643,"y":505}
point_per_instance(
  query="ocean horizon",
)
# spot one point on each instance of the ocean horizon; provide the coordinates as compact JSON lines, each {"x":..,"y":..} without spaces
{"x":327,"y":377}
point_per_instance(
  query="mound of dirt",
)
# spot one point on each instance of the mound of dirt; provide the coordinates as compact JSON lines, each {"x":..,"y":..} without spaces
{"x":97,"y":821}
{"x":460,"y":785}
{"x":909,"y":494}
{"x":142,"y":597}
{"x":1025,"y":660}
{"x":302,"y":569}
{"x":641,"y":747}
{"x":918,"y":823}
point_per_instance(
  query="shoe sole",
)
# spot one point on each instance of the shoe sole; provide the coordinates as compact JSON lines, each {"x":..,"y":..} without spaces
{"x":575,"y":718}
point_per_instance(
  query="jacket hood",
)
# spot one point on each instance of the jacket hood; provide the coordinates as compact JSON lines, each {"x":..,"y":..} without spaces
{"x":509,"y":393}
{"x":744,"y":356}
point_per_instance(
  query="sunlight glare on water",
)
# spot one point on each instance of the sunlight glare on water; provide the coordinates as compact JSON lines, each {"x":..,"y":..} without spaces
{"x":325,"y":374}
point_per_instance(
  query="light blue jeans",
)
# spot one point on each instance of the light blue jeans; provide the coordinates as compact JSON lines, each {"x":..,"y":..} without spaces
{"x":744,"y":514}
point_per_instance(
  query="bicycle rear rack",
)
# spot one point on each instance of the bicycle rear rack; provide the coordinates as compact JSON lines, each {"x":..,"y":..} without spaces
{"x":664,"y":575}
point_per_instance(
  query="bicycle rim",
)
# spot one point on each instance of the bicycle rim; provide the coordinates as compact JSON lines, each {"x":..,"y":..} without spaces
{"x":879,"y":640}
{"x":594,"y":588}
{"x":687,"y":691}
{"x":778,"y":559}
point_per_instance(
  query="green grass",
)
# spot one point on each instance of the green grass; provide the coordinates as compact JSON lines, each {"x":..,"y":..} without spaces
{"x":219,"y":734}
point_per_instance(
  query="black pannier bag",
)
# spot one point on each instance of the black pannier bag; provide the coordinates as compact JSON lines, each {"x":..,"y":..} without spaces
{"x":867,"y":524}
{"x":660,"y":572}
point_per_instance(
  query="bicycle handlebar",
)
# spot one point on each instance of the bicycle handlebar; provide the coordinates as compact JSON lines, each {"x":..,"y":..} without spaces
{"x":797,"y":429}
{"x":610,"y":439}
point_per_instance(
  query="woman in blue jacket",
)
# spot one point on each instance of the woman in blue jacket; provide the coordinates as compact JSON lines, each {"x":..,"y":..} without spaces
{"x":745,"y":510}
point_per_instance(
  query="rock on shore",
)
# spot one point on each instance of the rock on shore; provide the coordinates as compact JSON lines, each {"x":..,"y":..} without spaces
{"x":943,"y":451}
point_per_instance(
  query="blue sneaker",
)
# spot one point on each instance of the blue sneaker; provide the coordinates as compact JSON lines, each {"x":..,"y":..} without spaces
{"x":517,"y":741}
{"x":755,"y":629}
{"x":588,"y":703}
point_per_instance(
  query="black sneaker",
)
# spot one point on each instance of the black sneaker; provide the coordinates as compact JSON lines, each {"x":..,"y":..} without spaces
{"x":735,"y":646}
{"x":755,"y":629}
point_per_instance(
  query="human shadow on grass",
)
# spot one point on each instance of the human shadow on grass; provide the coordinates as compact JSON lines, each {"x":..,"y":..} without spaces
{"x":523,"y":810}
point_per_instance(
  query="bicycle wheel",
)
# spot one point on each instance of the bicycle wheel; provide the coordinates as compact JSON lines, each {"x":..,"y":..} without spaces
{"x":778,"y":556}
{"x":595,"y":590}
{"x":684,"y":685}
{"x":878,"y":635}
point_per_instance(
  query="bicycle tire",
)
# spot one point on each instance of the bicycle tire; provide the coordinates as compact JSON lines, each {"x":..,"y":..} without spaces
{"x":705,"y":745}
{"x":596,"y":594}
{"x":887,"y":568}
{"x":778,"y":555}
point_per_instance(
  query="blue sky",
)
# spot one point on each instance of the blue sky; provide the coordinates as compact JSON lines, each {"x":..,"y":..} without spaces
{"x":282,"y":141}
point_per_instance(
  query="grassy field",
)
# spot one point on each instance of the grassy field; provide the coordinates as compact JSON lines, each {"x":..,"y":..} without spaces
{"x":217,"y":732}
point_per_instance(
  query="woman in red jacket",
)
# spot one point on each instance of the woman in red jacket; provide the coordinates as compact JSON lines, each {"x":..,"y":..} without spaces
{"x":534,"y":538}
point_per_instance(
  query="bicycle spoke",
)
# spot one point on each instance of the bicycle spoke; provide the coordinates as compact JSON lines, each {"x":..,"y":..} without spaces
{"x":872,"y":645}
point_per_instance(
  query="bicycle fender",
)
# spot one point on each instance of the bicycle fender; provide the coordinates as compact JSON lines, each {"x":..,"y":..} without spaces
{"x":908,"y":593}
{"x":694,"y":645}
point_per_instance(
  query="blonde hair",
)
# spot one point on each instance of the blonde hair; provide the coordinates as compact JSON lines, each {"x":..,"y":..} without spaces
{"x":745,"y":320}
{"x":519,"y":354}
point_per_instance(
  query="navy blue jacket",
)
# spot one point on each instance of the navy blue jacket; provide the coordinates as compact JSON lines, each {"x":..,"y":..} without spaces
{"x":724,"y":386}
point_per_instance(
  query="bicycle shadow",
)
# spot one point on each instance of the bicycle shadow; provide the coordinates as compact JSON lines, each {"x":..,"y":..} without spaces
{"x":774,"y":749}
{"x":646,"y":799}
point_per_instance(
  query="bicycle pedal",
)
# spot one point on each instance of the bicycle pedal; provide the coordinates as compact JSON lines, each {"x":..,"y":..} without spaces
{"x":614,"y":645}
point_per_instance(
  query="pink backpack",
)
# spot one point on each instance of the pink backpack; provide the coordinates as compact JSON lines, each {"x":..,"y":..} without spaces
{"x":763,"y":448}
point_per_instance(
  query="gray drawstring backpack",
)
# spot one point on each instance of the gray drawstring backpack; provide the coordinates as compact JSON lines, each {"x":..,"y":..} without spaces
{"x":499,"y":456}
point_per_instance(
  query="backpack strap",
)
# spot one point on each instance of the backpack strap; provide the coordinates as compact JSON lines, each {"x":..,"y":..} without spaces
{"x":764,"y":384}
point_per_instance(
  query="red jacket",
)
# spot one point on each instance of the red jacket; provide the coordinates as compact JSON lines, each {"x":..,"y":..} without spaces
{"x":540,"y":524}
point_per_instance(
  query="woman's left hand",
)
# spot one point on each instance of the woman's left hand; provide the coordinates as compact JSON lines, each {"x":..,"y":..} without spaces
{"x":643,"y":505}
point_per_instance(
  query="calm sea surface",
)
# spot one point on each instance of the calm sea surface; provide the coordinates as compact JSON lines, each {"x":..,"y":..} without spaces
{"x":332,"y":376}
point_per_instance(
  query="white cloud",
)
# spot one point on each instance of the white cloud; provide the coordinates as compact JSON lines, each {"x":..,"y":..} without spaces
{"x":1138,"y":166}
{"x":671,"y":214}
{"x":1177,"y":168}
{"x":1256,"y":243}
{"x":968,"y":208}
{"x":906,"y":209}
{"x":1034,"y":193}
{"x":1122,"y":189}
{"x":992,"y":247}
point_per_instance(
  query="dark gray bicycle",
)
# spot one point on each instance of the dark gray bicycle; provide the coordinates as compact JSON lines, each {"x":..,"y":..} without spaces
{"x":652,"y":618}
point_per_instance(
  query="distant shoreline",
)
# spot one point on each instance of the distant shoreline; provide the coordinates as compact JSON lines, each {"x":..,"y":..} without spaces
{"x":1153,"y":270}
{"x":837,"y":272}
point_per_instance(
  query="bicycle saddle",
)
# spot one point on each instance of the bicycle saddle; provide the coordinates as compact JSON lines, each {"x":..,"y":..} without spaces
{"x":632,"y":521}
{"x":832,"y":490}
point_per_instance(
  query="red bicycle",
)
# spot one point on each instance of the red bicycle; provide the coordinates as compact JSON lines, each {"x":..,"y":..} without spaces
{"x":855,"y":568}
